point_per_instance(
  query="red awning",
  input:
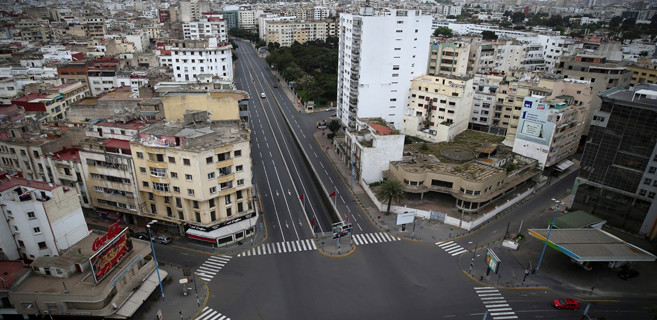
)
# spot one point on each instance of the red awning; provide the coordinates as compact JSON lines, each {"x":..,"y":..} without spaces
{"x":201,"y":238}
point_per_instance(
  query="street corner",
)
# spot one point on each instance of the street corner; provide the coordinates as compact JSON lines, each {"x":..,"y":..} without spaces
{"x":182,"y":294}
{"x":335,"y":248}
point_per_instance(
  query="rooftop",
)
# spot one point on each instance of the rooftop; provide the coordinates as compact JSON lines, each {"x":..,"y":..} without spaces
{"x":67,"y":154}
{"x":10,"y":182}
{"x":643,"y":95}
{"x":195,"y":136}
{"x":11,"y":271}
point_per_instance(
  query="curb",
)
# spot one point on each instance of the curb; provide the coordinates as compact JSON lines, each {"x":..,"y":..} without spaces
{"x":503,"y":288}
{"x":205,"y":302}
{"x":334,"y":256}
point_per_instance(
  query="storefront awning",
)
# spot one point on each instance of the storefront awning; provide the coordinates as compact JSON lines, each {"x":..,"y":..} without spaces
{"x":140,"y":295}
{"x":222,"y":232}
{"x":563,"y":165}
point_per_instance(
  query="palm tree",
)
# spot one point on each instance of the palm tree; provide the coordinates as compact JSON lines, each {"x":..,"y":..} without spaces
{"x":391,"y":189}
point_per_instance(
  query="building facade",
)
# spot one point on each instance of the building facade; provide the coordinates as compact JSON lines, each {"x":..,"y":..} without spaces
{"x":191,"y":58}
{"x":379,"y":55}
{"x":449,"y":58}
{"x":618,"y":177}
{"x":211,"y":28}
{"x":286,"y":33}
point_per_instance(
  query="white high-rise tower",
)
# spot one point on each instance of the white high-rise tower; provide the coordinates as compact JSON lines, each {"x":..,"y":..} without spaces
{"x":379,"y":56}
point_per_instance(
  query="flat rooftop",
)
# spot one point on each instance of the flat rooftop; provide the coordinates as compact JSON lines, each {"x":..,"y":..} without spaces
{"x":195,"y":136}
{"x":585,"y":245}
{"x":11,"y":271}
{"x":643,"y":95}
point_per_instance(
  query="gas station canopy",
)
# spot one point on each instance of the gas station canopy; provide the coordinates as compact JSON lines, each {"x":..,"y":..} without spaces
{"x":588,"y":245}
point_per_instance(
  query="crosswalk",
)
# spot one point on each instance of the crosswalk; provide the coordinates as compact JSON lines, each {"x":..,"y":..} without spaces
{"x":495,"y":303}
{"x":368,"y":238}
{"x":451,"y":247}
{"x":280,"y":247}
{"x":211,"y":267}
{"x":209,"y":314}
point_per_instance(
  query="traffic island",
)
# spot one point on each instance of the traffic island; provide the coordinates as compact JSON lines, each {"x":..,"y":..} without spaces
{"x":339,"y":247}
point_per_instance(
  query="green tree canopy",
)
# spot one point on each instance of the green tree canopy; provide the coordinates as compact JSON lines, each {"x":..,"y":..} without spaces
{"x":615,"y":22}
{"x":444,"y":31}
{"x":488,"y":35}
{"x":391,"y":189}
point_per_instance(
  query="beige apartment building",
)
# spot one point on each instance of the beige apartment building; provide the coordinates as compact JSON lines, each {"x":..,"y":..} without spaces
{"x":448,"y":58}
{"x":286,"y":33}
{"x":196,"y":174}
{"x":438,"y":107}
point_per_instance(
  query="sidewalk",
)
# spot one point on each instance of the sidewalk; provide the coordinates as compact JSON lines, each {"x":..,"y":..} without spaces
{"x":177,"y":305}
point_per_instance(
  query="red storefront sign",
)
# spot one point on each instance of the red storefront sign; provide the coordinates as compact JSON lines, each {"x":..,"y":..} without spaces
{"x":111,"y":233}
{"x":110,"y":255}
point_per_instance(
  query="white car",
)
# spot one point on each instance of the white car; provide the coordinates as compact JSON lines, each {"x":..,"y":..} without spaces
{"x":262,"y":95}
{"x":330,"y":109}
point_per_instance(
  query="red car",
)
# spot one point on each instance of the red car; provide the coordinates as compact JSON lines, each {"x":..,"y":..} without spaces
{"x":567,"y":304}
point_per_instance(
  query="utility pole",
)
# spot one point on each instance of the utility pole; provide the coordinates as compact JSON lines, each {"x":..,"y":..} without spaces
{"x":547,"y":239}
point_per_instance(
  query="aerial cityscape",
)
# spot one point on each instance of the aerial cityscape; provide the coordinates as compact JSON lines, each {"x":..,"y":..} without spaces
{"x":218,"y":160}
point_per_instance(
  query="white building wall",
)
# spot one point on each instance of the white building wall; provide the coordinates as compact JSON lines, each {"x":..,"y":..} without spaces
{"x":394,"y":49}
{"x":7,"y":242}
{"x":70,"y":229}
{"x":217,"y":61}
{"x":377,"y":159}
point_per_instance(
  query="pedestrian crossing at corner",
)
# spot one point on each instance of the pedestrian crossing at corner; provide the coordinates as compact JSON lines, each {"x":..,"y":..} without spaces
{"x":211,"y":267}
{"x":495,"y":303}
{"x":451,"y":247}
{"x":280,"y":247}
{"x":209,"y":314}
{"x":368,"y":238}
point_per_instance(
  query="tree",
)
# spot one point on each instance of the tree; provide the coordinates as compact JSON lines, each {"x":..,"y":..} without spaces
{"x":391,"y":189}
{"x":444,"y":31}
{"x":643,"y":53}
{"x":334,"y":126}
{"x":488,"y":35}
{"x":517,"y":17}
{"x":615,"y":22}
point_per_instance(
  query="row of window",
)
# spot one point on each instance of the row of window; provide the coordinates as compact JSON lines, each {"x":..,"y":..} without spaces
{"x":165,"y":187}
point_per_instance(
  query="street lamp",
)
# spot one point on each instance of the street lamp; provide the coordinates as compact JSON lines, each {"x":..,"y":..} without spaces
{"x":157,"y":268}
{"x":549,"y":232}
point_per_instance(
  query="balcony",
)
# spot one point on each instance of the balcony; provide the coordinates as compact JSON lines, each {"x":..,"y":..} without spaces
{"x":226,"y":178}
{"x":157,"y":164}
{"x":224,"y":163}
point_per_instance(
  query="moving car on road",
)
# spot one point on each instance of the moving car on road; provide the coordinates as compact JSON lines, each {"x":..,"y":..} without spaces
{"x":140,"y":235}
{"x":162,"y":239}
{"x":566,"y":304}
{"x":262,"y":95}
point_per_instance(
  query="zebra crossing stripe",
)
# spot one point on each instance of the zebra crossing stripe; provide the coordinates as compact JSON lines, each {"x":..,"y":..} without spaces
{"x":488,"y":290}
{"x":450,"y":246}
{"x":479,"y":288}
{"x":502,"y":313}
{"x":499,"y":309}
{"x":222,"y":318}
{"x":491,"y":298}
{"x":278,"y":245}
{"x":489,"y":294}
{"x":288,"y":247}
{"x":221,"y":258}
{"x":313,"y":244}
{"x":207,"y":271}
{"x":506,"y":317}
{"x":497,"y":305}
{"x":444,"y":243}
{"x":209,"y":315}
{"x":380,"y":237}
{"x":459,"y":252}
{"x":389,"y":238}
{"x":214,"y":264}
{"x":303,"y":244}
{"x":355,"y":237}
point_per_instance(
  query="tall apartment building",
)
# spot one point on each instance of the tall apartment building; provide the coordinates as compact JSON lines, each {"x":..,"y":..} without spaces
{"x":321,"y":13}
{"x":248,"y":18}
{"x":286,"y":33}
{"x":600,"y":72}
{"x":208,"y":28}
{"x":191,"y":58}
{"x":101,"y":74}
{"x":39,"y":218}
{"x":197,"y":175}
{"x":379,"y":55}
{"x":550,"y":130}
{"x":618,"y":177}
{"x":231,"y":17}
{"x":449,"y":58}
{"x":265,"y":19}
{"x":73,"y":71}
{"x":438,"y":107}
{"x":483,"y":101}
{"x":192,"y":10}
{"x":94,"y":27}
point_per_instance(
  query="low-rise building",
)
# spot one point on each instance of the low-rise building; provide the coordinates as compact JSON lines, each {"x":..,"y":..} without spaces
{"x":42,"y":219}
{"x":474,"y":172}
{"x":438,"y":107}
{"x":644,"y":73}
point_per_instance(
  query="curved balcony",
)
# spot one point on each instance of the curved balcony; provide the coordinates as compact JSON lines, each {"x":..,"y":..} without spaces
{"x":157,"y":164}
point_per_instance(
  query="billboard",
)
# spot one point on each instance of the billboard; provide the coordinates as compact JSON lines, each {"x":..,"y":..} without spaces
{"x":110,"y":255}
{"x":534,"y":125}
{"x":492,"y":260}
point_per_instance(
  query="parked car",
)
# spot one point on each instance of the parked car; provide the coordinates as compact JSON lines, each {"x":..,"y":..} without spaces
{"x":140,"y":235}
{"x":628,"y":273}
{"x":566,"y":304}
{"x":275,"y":85}
{"x":162,"y":239}
{"x":262,"y":95}
{"x":330,"y":109}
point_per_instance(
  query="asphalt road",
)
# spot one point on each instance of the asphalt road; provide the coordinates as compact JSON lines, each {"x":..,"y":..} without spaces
{"x":391,"y":280}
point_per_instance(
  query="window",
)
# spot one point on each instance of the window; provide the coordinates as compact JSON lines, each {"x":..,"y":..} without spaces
{"x":198,"y":216}
{"x":195,"y":204}
{"x":188,"y":177}
{"x":647,"y":181}
{"x":186,"y":162}
{"x":651,"y":195}
{"x":210,"y":175}
{"x":172,"y":160}
{"x":240,"y":207}
{"x":151,"y":196}
{"x":238,"y":153}
{"x":158,"y":172}
{"x":211,"y":203}
{"x":169,"y":212}
{"x":153,"y":208}
{"x":161,"y":186}
{"x":190,"y":192}
{"x":239,"y":194}
{"x":652,"y":170}
{"x":144,"y":184}
{"x":140,"y":155}
{"x":37,"y":230}
{"x":42,"y":245}
{"x":174,"y":175}
{"x":642,"y":192}
{"x":239,"y":168}
{"x":142,"y":170}
{"x":213,"y":190}
{"x":240,"y":182}
{"x":227,"y":199}
{"x":229,"y":212}
{"x":213,"y":215}
{"x":30,"y":215}
{"x":176,"y":189}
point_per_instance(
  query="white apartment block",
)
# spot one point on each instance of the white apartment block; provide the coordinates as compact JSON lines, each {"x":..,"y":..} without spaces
{"x":265,"y":19}
{"x":215,"y":28}
{"x":321,"y":13}
{"x":379,"y":55}
{"x":140,"y":39}
{"x":438,"y":107}
{"x":452,"y":10}
{"x":247,"y":19}
{"x":483,"y":101}
{"x":286,"y":33}
{"x":40,"y":218}
{"x":191,"y":58}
